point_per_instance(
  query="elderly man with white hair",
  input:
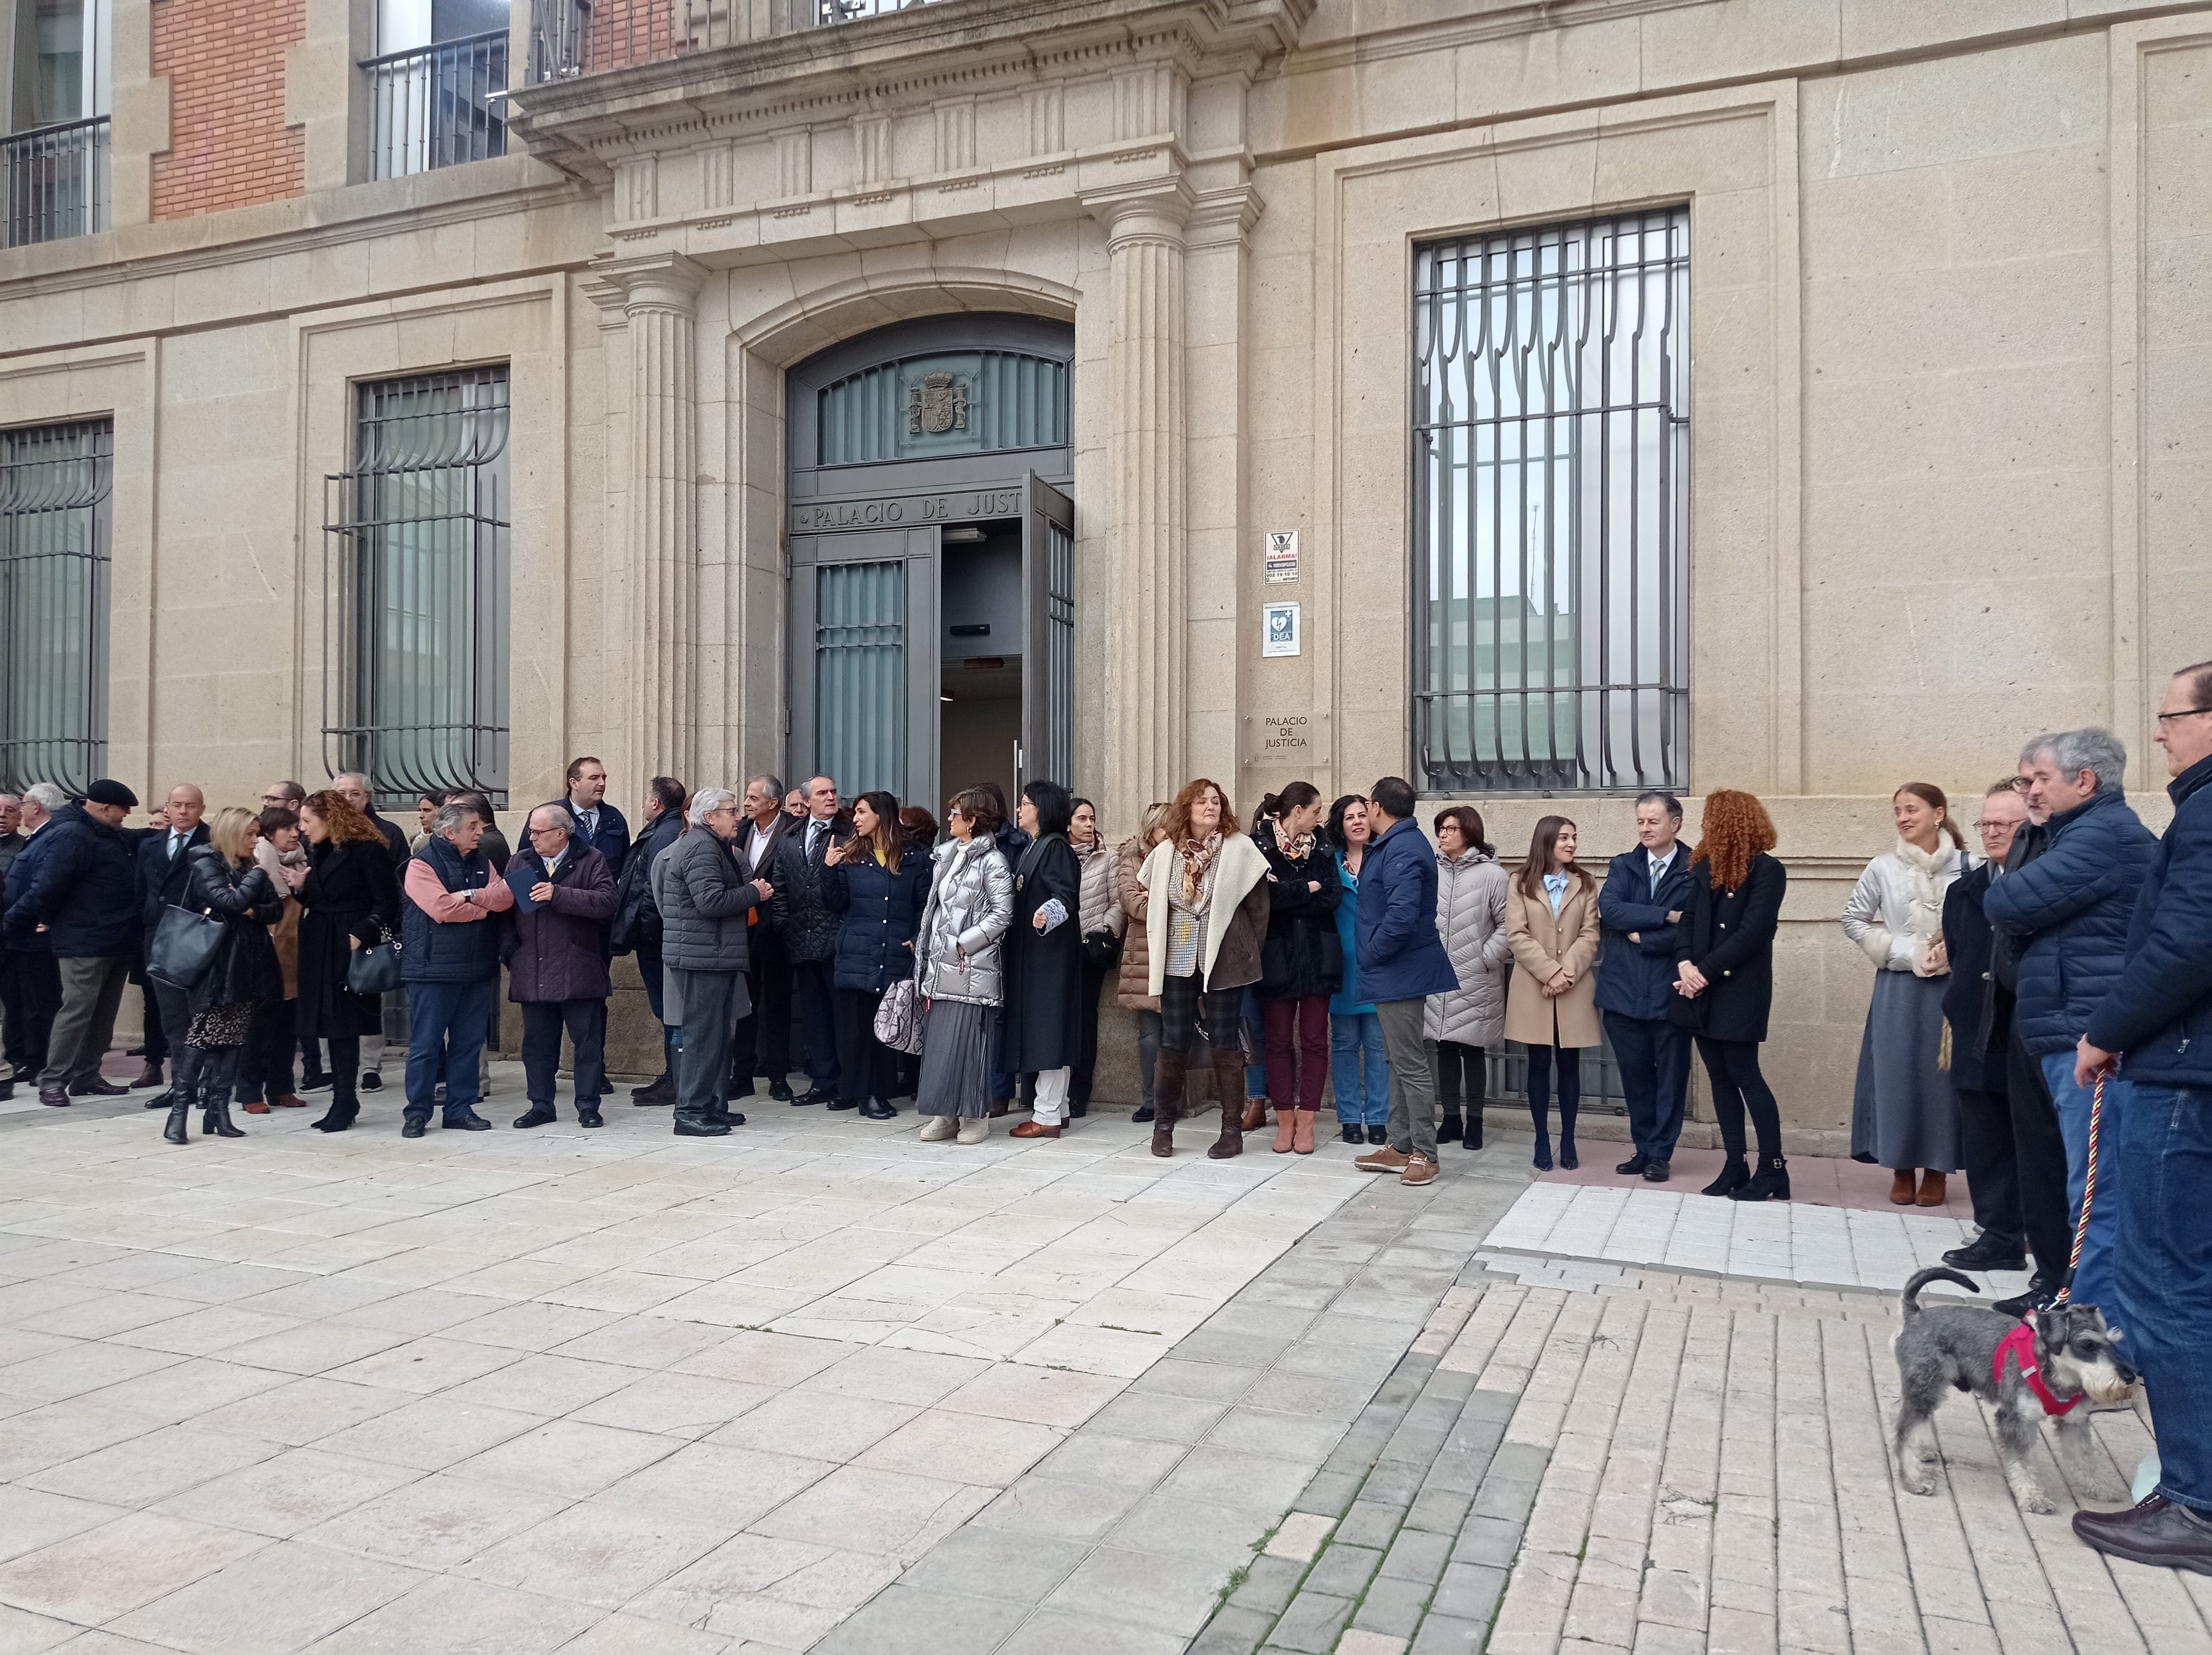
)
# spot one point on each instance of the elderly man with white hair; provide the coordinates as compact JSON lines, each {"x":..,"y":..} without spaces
{"x":553,"y":942}
{"x":2068,"y":913}
{"x":705,"y":900}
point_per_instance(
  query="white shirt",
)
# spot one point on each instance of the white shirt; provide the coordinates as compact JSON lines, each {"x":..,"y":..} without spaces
{"x":177,"y":838}
{"x":587,"y":819}
{"x":1656,"y":866}
{"x":756,"y":845}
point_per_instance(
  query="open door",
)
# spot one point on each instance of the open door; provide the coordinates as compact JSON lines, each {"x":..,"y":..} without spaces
{"x":1047,"y":751}
{"x":864,"y":661}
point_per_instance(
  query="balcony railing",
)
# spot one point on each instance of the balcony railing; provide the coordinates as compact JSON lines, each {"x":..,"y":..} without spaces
{"x":56,"y":181}
{"x":436,"y":106}
{"x":569,"y":38}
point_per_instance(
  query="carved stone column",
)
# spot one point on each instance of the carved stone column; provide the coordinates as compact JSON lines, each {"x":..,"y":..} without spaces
{"x":653,"y":580}
{"x":1145,"y":451}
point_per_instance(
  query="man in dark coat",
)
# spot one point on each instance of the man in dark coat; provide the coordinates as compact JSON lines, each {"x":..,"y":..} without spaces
{"x":2155,"y":1022}
{"x":763,"y":1043}
{"x":1640,"y":911}
{"x":556,"y":963}
{"x":636,"y":927}
{"x":354,"y":787}
{"x":30,"y":986}
{"x":1985,"y":1135}
{"x":598,"y":825}
{"x":449,"y":958}
{"x":810,"y":932}
{"x":2069,"y":910}
{"x":706,"y":903}
{"x":163,"y":870}
{"x":1401,"y":961}
{"x":82,"y":893}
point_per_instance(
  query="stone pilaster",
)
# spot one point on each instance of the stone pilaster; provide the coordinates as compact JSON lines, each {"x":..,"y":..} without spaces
{"x":652,"y":586}
{"x":1145,"y":453}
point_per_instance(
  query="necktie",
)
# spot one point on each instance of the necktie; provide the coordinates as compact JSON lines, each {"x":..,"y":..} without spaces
{"x":1656,"y":867}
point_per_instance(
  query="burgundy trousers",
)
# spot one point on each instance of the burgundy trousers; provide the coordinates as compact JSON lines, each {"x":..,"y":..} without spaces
{"x":1296,"y":1027}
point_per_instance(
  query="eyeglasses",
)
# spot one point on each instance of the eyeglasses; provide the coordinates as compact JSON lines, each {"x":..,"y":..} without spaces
{"x":2186,"y":712}
{"x":1994,"y":827}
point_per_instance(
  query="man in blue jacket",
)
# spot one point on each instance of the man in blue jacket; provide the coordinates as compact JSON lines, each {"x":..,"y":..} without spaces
{"x":2155,"y":1025}
{"x":1640,"y":910}
{"x":1402,"y":963}
{"x":81,"y":891}
{"x":2068,"y":913}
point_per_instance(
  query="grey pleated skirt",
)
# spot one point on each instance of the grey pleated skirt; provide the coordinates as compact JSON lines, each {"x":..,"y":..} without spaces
{"x":955,"y":1060}
{"x":1904,"y":1112}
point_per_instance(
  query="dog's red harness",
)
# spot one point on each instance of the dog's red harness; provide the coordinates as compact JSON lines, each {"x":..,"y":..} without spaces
{"x":2020,"y":1344}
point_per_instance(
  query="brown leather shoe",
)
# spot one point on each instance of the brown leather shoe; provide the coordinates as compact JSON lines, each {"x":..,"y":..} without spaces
{"x":1302,"y":1139}
{"x":98,"y":1086}
{"x":1385,"y":1159}
{"x":148,"y":1076}
{"x":1255,"y":1114}
{"x":256,"y":1107}
{"x":1286,"y":1130}
{"x":1931,"y":1190}
{"x":1169,"y":1072}
{"x":1033,"y":1130}
{"x":286,"y":1100}
{"x":1418,"y":1170}
{"x":2156,"y":1532}
{"x":1229,"y":1087}
{"x":54,"y":1096}
{"x":1901,"y":1189}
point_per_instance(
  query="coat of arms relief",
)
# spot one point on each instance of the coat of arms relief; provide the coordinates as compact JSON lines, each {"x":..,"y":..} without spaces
{"x":938,"y":405}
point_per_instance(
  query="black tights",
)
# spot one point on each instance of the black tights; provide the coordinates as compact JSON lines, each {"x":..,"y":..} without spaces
{"x":1733,"y":1068}
{"x":1540,"y":1091}
{"x":1453,"y":1059}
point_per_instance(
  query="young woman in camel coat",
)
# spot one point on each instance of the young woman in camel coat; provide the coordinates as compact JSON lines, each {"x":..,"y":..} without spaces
{"x":1551,"y":918}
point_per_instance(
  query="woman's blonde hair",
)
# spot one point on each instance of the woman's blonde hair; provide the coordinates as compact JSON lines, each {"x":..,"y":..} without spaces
{"x":231,"y":831}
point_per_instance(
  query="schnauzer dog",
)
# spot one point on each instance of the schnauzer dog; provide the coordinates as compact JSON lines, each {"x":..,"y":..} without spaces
{"x":1956,"y":1345}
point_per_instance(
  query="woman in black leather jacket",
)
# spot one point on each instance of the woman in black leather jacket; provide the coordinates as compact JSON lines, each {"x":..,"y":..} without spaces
{"x":224,"y":881}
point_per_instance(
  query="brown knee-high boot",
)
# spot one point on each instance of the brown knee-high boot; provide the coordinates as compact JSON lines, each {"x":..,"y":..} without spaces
{"x":1229,"y":1087}
{"x":1168,"y":1071}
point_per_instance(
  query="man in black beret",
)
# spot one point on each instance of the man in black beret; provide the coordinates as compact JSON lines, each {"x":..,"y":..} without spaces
{"x":82,"y":895}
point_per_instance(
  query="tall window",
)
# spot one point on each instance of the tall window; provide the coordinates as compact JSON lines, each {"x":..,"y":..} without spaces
{"x":55,"y":155}
{"x":54,"y":488}
{"x":1550,"y":436}
{"x":433,"y":85}
{"x":415,"y":603}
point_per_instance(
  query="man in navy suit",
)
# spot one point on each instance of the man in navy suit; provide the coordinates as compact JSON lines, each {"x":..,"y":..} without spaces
{"x":161,"y":873}
{"x":1639,"y":909}
{"x":599,"y":825}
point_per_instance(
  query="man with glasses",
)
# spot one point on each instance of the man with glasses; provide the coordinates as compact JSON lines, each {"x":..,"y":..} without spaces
{"x":2155,"y":1025}
{"x":557,"y":962}
{"x":283,"y":795}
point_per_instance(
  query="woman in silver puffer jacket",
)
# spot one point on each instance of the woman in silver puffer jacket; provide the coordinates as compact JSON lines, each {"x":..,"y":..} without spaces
{"x":960,"y":956}
{"x":1471,"y":920}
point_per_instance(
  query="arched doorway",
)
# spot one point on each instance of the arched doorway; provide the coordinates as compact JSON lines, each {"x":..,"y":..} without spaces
{"x":932,"y":557}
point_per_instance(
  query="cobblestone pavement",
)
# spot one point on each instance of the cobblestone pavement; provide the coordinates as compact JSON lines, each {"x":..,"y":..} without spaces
{"x":586,"y":1391}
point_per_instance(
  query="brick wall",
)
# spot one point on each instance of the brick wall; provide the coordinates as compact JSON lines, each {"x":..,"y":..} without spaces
{"x":229,"y":144}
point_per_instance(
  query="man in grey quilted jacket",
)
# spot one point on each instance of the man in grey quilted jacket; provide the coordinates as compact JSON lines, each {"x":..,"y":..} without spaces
{"x":705,"y":901}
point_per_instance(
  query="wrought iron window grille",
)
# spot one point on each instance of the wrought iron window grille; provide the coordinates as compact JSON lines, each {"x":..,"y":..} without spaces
{"x":56,"y":484}
{"x":1551,"y":445}
{"x":416,"y":578}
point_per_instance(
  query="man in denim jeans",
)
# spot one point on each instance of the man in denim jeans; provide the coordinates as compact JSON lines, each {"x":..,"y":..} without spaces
{"x":2155,"y":1026}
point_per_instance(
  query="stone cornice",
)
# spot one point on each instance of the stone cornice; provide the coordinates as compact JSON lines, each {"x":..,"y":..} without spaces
{"x":960,"y":45}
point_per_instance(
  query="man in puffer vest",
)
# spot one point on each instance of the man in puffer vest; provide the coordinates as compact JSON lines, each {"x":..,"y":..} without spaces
{"x":2068,"y":912}
{"x":450,"y":958}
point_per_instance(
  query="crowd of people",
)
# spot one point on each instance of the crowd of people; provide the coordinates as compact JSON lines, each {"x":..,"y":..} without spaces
{"x":1330,"y":952}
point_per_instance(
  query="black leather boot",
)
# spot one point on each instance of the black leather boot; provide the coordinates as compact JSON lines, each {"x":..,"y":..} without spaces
{"x":1770,"y":1182}
{"x":1450,"y":1130}
{"x":345,"y":1105}
{"x":215,"y":1119}
{"x":1167,"y":1076}
{"x":174,"y":1131}
{"x":1733,"y":1178}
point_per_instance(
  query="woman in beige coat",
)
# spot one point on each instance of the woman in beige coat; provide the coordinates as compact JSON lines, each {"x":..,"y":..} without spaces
{"x":1133,"y":991}
{"x":1551,"y":918}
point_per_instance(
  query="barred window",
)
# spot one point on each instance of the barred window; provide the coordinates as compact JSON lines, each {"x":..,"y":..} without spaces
{"x":415,"y":556}
{"x":1551,"y":440}
{"x":55,"y":483}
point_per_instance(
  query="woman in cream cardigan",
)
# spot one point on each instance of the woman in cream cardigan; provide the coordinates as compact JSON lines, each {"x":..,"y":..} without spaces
{"x":1207,"y":903}
{"x":1551,"y":920}
{"x":1904,"y":1114}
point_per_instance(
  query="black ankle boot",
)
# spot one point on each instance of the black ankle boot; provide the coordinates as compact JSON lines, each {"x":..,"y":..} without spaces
{"x":1449,"y":1128}
{"x":1471,"y":1138}
{"x":1770,"y":1182}
{"x":215,"y":1121}
{"x":174,"y":1131}
{"x":1733,"y":1178}
{"x":1540,"y":1116}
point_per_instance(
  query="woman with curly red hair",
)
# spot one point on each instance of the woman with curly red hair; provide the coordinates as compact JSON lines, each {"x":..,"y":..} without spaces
{"x":1724,"y":983}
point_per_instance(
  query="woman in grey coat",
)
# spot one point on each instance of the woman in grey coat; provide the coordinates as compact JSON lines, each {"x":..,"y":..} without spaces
{"x":960,"y":949}
{"x":1471,"y":920}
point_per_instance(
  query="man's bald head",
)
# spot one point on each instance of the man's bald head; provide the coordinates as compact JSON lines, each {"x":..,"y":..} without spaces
{"x":186,"y":805}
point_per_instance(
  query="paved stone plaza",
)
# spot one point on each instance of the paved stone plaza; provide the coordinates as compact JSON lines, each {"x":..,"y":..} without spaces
{"x":821,"y":1386}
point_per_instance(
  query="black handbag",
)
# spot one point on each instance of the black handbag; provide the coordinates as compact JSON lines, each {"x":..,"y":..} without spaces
{"x":184,"y":946}
{"x":374,"y":970}
{"x":1102,"y":950}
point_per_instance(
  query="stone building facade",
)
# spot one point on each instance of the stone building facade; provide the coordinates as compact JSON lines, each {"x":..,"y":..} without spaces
{"x":605,"y":326}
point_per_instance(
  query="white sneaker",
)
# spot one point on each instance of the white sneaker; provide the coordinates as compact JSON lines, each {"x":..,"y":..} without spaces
{"x":937,"y":1129}
{"x":976,"y":1129}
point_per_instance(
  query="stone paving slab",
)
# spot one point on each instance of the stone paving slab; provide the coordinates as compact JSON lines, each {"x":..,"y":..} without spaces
{"x":612,"y":1390}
